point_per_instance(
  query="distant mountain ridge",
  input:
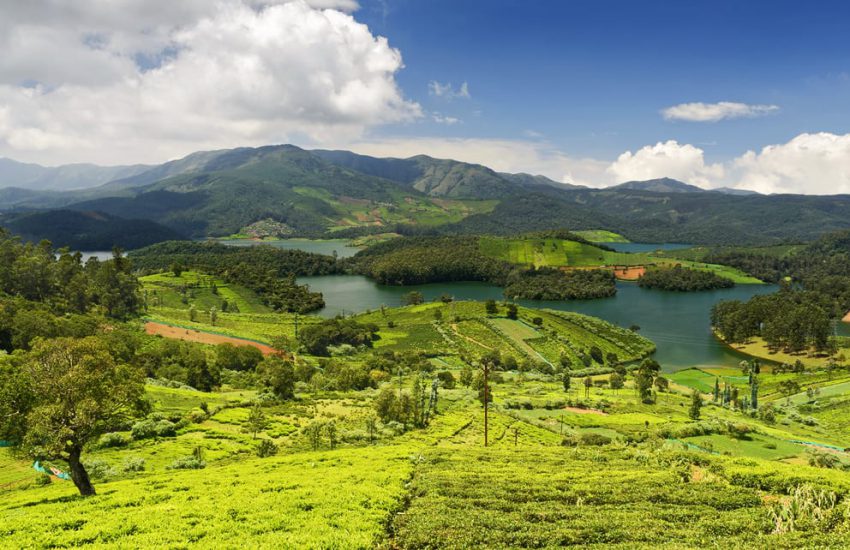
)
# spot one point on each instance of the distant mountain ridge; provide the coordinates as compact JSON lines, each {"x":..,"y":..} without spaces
{"x":61,"y":178}
{"x":333,"y":193}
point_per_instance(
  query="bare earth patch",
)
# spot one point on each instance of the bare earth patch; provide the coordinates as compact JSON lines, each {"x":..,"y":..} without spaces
{"x":177,"y":333}
{"x":585,"y":411}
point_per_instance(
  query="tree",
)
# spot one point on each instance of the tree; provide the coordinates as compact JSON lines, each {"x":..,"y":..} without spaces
{"x":616,"y":381}
{"x":596,"y":354}
{"x":643,"y":380}
{"x":588,"y":383}
{"x":611,"y":358}
{"x":490,"y":307}
{"x":696,"y":405}
{"x":413,"y":298}
{"x":466,"y":375}
{"x":512,"y":311}
{"x":567,"y":381}
{"x":278,"y":374}
{"x":256,"y":421}
{"x":67,"y":393}
{"x":193,"y":314}
{"x":176,"y":269}
{"x":661,"y":383}
{"x":213,"y":315}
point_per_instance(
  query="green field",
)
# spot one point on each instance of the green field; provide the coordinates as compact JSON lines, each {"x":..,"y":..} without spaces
{"x":601,"y":236}
{"x":403,"y":209}
{"x":564,"y":253}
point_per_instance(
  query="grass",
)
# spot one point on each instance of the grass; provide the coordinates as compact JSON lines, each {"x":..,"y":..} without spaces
{"x":563,"y":253}
{"x":601,"y":236}
{"x":166,"y":291}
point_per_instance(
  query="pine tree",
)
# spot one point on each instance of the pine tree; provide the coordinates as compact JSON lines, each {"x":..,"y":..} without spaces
{"x":696,"y":405}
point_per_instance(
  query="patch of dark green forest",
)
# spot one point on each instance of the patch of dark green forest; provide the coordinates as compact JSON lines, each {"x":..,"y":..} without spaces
{"x":683,"y":279}
{"x":268,"y":271}
{"x":547,"y":283}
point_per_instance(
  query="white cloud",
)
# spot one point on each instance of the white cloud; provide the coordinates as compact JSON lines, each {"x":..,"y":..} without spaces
{"x":809,"y":163}
{"x":443,"y":119}
{"x":668,"y":159}
{"x":447,"y":91}
{"x":713,"y":112}
{"x":216,"y":74}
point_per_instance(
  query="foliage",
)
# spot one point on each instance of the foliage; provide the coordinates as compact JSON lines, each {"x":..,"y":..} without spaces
{"x":333,"y":332}
{"x":683,"y":279}
{"x":554,"y":284}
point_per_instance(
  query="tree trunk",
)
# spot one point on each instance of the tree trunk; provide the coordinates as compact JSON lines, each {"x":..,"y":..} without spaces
{"x":79,"y":474}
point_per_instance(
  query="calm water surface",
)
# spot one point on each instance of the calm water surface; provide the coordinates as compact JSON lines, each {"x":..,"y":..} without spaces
{"x":678,"y":323}
{"x":326,"y":247}
{"x":645,"y":247}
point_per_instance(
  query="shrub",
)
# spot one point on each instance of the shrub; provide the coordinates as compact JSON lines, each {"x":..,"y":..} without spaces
{"x":187,"y":463}
{"x":99,"y":469}
{"x":266,"y":448}
{"x":42,"y":480}
{"x":111,"y":440}
{"x":447,"y":379}
{"x":133,"y":464}
{"x":148,"y":428}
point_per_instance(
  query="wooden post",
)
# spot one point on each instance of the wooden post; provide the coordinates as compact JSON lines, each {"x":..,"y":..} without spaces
{"x":486,"y":367}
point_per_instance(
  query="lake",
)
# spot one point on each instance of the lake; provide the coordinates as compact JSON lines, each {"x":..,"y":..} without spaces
{"x":326,"y":247}
{"x":644,"y":247}
{"x":677,"y":322}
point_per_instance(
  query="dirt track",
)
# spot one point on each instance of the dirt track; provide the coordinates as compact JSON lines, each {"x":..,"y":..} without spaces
{"x":178,"y":333}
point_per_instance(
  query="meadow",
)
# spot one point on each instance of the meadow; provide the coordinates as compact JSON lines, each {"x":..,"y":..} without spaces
{"x":564,"y":253}
{"x":592,"y":465}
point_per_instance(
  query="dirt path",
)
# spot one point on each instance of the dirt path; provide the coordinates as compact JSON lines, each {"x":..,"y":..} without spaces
{"x":191,"y":335}
{"x":469,"y":339}
{"x":584,"y":411}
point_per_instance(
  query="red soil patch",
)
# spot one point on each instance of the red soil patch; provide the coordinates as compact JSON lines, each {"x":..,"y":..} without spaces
{"x":629,"y":273}
{"x":178,"y":333}
{"x":846,"y":318}
{"x":584,"y":411}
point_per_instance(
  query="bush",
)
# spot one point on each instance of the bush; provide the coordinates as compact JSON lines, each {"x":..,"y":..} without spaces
{"x":99,"y":469}
{"x":447,"y":379}
{"x":266,"y":448}
{"x":112,"y":440}
{"x":587,"y":438}
{"x":149,"y":428}
{"x":133,"y":464}
{"x":187,"y":463}
{"x":42,"y":480}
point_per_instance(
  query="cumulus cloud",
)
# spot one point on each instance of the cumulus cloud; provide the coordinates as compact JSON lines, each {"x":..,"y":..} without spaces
{"x":144,"y":80}
{"x":713,"y":112}
{"x":666,"y":159}
{"x":447,"y":91}
{"x":810,"y":163}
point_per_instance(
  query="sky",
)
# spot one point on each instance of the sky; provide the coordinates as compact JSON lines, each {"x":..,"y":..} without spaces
{"x":750,"y":94}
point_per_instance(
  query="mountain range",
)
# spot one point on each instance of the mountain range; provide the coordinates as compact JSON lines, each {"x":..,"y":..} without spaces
{"x":323,"y":193}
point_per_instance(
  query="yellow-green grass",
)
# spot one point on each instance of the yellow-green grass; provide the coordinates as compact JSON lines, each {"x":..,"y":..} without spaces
{"x":755,"y":446}
{"x":563,"y":253}
{"x":333,"y":499}
{"x":601,"y":236}
{"x":593,"y":498}
{"x":261,"y":327}
{"x":163,"y":290}
{"x":14,"y":470}
{"x":465,"y":328}
{"x":756,"y":347}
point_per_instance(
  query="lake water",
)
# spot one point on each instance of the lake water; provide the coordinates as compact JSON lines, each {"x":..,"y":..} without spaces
{"x":678,"y":323}
{"x":644,"y":247}
{"x":326,"y":247}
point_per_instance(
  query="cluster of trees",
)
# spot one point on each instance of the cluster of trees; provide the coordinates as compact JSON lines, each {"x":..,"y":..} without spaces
{"x":317,"y":338}
{"x":419,"y":260}
{"x":683,"y":279}
{"x":268,"y":271}
{"x":49,"y":293}
{"x":548,"y":283}
{"x":790,"y":320}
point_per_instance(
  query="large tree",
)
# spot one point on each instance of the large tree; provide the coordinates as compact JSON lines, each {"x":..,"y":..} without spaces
{"x":66,"y":393}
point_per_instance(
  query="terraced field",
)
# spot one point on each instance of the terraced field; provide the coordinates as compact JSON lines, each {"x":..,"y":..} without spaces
{"x":564,"y":253}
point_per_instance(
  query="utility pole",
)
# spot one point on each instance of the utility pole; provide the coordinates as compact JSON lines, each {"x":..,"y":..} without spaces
{"x":486,"y":367}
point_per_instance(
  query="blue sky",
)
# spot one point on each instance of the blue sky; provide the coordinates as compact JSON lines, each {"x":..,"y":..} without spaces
{"x":744,"y":94}
{"x":592,"y":76}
